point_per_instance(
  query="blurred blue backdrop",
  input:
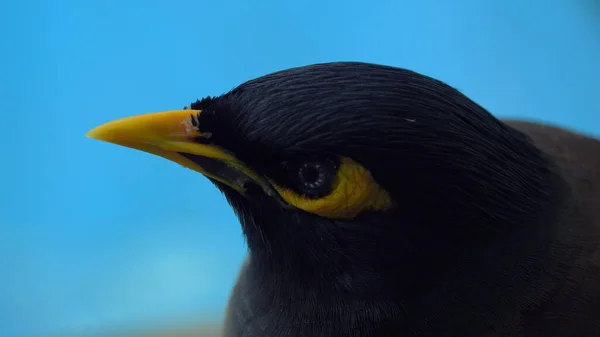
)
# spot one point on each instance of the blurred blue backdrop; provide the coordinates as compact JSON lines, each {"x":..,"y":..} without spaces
{"x":95,"y":236}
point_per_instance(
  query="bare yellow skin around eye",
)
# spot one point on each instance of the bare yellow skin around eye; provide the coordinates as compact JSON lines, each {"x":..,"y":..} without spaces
{"x":354,"y":191}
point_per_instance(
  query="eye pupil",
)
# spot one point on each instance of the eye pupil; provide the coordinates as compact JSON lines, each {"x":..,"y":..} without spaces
{"x":312,"y":178}
{"x":310,"y":174}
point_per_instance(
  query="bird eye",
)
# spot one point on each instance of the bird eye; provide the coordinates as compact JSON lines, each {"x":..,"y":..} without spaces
{"x":335,"y":188}
{"x":312,"y":175}
{"x":312,"y":179}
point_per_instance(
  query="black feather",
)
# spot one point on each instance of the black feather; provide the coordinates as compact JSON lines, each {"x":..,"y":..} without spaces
{"x":493,"y":219}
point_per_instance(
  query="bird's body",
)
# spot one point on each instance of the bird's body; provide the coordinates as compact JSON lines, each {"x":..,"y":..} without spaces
{"x":380,"y":202}
{"x":542,"y":281}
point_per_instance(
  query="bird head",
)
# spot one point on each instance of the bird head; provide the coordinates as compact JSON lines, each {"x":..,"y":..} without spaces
{"x":348,"y":168}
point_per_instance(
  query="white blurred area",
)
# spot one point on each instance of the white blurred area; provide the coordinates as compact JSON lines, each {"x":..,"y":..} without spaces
{"x":183,"y":330}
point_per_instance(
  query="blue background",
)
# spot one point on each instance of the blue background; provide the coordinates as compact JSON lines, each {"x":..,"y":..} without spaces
{"x":96,"y":237}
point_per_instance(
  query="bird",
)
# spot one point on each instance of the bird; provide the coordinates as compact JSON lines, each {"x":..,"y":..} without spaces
{"x":379,"y":201}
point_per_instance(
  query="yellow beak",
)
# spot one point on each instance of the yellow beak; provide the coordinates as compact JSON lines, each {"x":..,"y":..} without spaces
{"x":172,"y":135}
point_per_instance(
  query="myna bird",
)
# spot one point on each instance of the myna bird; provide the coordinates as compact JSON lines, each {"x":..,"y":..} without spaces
{"x":380,"y":202}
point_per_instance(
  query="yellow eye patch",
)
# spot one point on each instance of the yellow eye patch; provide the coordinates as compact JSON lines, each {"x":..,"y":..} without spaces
{"x":353,"y":192}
